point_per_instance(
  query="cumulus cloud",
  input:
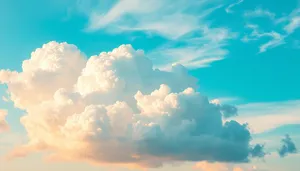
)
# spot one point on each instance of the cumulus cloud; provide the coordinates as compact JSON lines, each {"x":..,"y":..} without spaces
{"x":288,"y":147}
{"x":3,"y":124}
{"x":114,"y":108}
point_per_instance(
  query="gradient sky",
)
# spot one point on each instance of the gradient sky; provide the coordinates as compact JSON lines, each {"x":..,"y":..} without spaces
{"x":243,"y":52}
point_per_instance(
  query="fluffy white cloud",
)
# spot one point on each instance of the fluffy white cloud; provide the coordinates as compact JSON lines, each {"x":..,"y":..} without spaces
{"x":3,"y":124}
{"x":115,"y":108}
{"x":51,"y":67}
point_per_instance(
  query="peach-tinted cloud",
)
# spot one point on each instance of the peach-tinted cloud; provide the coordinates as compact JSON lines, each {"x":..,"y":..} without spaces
{"x":114,"y":108}
{"x":3,"y":124}
{"x":206,"y":166}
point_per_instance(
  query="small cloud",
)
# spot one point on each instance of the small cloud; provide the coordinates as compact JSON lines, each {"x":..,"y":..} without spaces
{"x":5,"y":99}
{"x":258,"y":151}
{"x":3,"y":124}
{"x":288,"y":147}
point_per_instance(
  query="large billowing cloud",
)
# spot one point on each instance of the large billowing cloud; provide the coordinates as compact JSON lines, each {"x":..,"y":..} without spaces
{"x":115,"y":108}
{"x":3,"y":124}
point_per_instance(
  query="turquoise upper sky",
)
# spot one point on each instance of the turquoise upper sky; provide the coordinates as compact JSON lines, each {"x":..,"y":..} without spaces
{"x":267,"y":76}
{"x":243,"y":52}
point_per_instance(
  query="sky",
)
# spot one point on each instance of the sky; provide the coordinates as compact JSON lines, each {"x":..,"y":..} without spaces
{"x":117,"y":85}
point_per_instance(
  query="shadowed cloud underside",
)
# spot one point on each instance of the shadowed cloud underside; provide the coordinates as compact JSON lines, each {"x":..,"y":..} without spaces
{"x":114,"y":108}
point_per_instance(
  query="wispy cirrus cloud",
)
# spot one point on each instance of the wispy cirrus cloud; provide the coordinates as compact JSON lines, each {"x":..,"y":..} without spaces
{"x":286,"y":25}
{"x":229,"y":8}
{"x":259,"y":12}
{"x":198,"y":51}
{"x":276,"y":39}
{"x":177,"y":21}
{"x":275,"y":113}
{"x":293,"y":24}
{"x":291,"y":21}
{"x":170,"y":19}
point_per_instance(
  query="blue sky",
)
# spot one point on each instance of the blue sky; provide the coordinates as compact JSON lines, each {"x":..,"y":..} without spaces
{"x":244,"y":53}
